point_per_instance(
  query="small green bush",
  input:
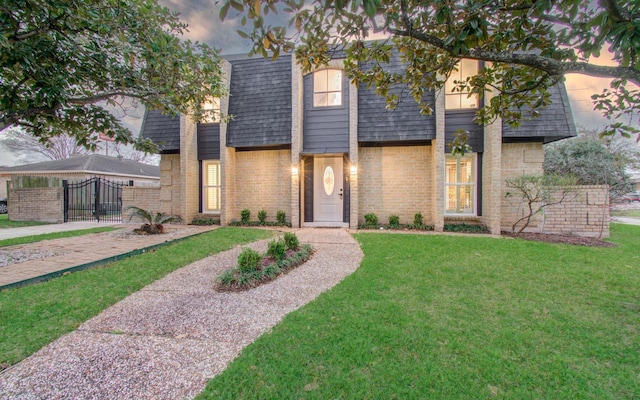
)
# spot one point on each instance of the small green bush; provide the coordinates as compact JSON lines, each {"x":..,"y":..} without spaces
{"x":277,"y":249}
{"x":394,"y":221}
{"x":245,"y":216}
{"x":465,"y":228}
{"x":291,"y":240}
{"x":249,"y":260}
{"x":417,"y":219}
{"x":262,"y":216}
{"x":370,"y":219}
{"x":281,"y":217}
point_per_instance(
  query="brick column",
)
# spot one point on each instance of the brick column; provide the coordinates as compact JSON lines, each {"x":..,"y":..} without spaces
{"x":439,"y":163}
{"x":189,"y":168}
{"x":297,"y":103}
{"x":491,"y":173}
{"x":227,"y":156}
{"x":353,"y":155}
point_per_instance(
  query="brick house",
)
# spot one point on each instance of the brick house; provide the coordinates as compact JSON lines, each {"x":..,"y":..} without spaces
{"x":327,"y":152}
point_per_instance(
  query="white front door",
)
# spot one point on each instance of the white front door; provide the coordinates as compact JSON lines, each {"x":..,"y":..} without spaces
{"x":328,"y":189}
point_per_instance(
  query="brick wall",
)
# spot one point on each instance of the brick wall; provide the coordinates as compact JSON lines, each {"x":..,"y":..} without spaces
{"x":170,"y":197}
{"x":518,"y":159}
{"x":262,"y":181}
{"x":584,"y":212}
{"x":147,"y":198}
{"x":395,"y":180}
{"x":36,"y":204}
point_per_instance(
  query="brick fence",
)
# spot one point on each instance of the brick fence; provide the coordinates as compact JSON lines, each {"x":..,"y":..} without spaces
{"x":36,"y":204}
{"x":584,"y":212}
{"x":145,"y":197}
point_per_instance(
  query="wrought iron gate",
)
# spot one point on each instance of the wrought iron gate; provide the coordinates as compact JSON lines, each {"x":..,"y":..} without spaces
{"x":96,"y":199}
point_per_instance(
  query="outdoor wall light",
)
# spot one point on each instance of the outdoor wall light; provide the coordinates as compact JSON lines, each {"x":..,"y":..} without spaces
{"x":294,"y":170}
{"x":354,"y":169}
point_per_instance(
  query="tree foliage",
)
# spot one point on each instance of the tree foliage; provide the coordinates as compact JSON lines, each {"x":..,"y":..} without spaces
{"x":530,"y":44}
{"x":63,"y":62}
{"x":590,"y":162}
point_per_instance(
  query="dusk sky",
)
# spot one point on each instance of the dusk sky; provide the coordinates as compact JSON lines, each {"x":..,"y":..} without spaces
{"x":205,"y":26}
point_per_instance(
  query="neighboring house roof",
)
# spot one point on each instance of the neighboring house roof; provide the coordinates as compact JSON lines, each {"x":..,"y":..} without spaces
{"x":91,"y":164}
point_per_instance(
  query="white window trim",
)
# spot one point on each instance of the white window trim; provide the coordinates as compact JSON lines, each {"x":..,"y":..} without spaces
{"x":474,"y":187}
{"x":313,"y":91}
{"x":459,"y":94}
{"x":211,"y":109}
{"x":205,"y":187}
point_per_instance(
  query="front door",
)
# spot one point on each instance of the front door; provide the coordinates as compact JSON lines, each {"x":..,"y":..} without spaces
{"x":328,"y":190}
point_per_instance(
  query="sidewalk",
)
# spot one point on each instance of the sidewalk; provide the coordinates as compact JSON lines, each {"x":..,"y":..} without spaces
{"x":61,"y":254}
{"x":11,"y":233}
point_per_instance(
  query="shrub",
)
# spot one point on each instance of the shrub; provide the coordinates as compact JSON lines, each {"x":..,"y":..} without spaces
{"x":262,"y":216}
{"x":466,"y":228}
{"x":281,"y":217}
{"x":277,"y":249}
{"x":249,"y":260}
{"x":394,"y":221}
{"x":245,"y":216}
{"x":371,"y":219}
{"x":291,"y":240}
{"x":417,"y":219}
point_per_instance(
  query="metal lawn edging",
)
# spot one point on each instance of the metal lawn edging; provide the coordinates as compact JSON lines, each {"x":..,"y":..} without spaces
{"x":93,"y":264}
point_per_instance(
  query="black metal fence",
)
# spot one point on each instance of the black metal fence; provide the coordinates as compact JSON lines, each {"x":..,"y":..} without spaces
{"x":95,"y":199}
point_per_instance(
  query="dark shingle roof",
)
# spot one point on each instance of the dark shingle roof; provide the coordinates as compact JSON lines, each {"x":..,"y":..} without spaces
{"x":160,"y":129}
{"x":93,"y":164}
{"x":554,"y":122}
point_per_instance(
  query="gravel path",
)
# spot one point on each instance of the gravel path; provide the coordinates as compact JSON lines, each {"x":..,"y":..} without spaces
{"x":167,"y":340}
{"x":21,"y":254}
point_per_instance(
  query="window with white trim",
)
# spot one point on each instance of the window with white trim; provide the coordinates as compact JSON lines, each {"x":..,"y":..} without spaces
{"x":211,"y":187}
{"x":327,"y":88}
{"x":454,"y":98}
{"x":460,"y":185}
{"x":211,"y":111}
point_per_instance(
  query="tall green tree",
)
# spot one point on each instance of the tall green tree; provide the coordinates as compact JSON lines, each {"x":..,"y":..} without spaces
{"x":64,"y":62}
{"x":530,"y":44}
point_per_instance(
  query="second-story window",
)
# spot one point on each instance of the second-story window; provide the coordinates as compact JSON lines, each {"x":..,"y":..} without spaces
{"x":211,"y":111}
{"x":327,"y":88}
{"x":459,"y":100}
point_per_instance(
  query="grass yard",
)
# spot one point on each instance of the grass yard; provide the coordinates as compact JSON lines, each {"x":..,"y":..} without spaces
{"x":54,"y":235}
{"x":454,"y":317}
{"x":5,"y":223}
{"x":626,"y":213}
{"x":33,"y":316}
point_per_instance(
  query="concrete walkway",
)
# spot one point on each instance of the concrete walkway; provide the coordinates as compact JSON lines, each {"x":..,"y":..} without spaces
{"x":61,"y":254}
{"x":168,"y":339}
{"x":10,"y":233}
{"x":626,"y":220}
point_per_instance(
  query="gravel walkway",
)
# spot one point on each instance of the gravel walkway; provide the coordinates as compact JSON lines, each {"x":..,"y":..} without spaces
{"x":167,"y":340}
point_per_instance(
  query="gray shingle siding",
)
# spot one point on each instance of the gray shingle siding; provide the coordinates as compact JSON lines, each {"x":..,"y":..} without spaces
{"x":404,"y":123}
{"x":162,"y":128}
{"x":260,"y":102}
{"x":326,"y":129}
{"x":455,"y":120}
{"x":208,"y":141}
{"x":555,"y":122}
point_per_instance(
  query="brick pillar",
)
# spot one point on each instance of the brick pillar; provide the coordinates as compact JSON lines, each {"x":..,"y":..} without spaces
{"x":492,"y":173}
{"x":297,"y":103}
{"x":170,"y":192}
{"x":353,"y":155}
{"x":227,"y":157}
{"x":439,"y":163}
{"x":189,"y":168}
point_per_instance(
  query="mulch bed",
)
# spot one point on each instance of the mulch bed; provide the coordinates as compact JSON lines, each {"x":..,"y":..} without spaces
{"x":563,"y":239}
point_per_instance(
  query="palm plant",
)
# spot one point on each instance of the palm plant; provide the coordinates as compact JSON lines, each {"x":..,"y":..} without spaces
{"x":153,"y":223}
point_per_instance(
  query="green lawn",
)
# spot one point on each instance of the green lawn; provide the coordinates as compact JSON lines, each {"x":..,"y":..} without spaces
{"x":55,"y":235}
{"x":5,"y":223}
{"x":453,"y":317}
{"x":32,"y":316}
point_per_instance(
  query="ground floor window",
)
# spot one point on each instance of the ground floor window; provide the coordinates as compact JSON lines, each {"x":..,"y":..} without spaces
{"x":211,"y":187}
{"x":460,"y":185}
